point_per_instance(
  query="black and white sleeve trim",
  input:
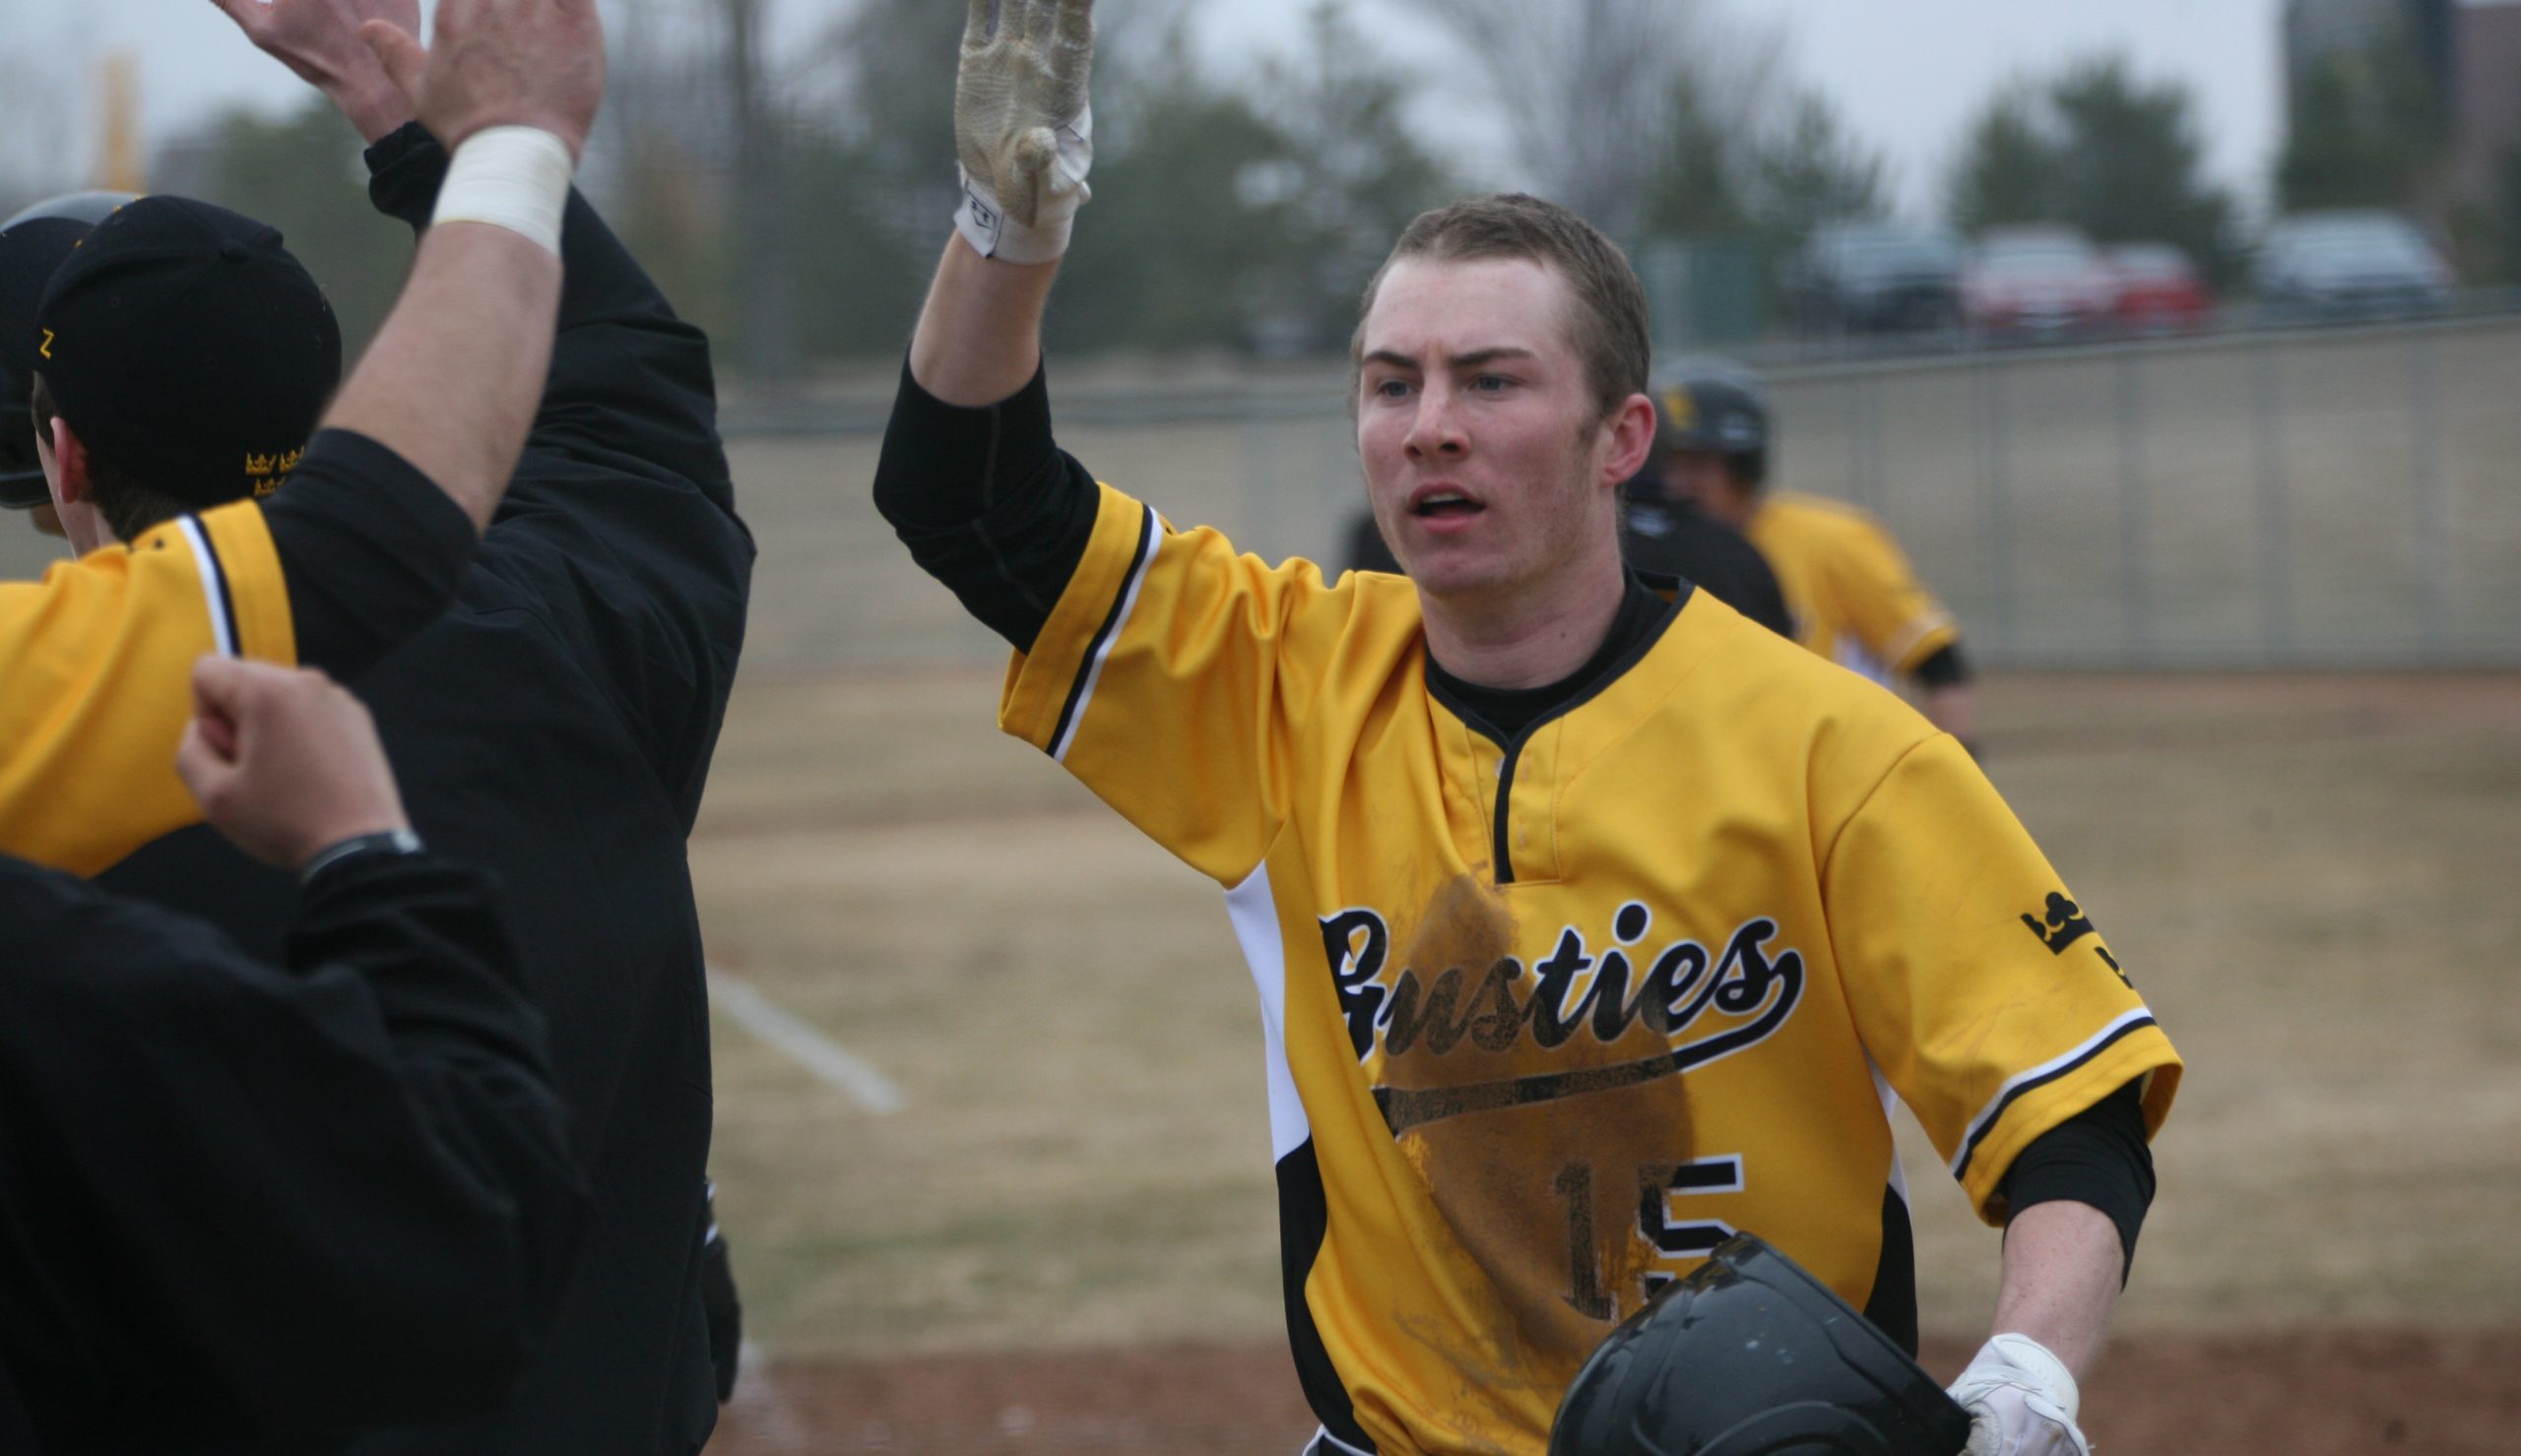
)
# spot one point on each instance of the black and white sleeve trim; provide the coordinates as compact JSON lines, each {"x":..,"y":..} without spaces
{"x":1090,"y":671}
{"x":2034,"y":1078}
{"x":214,"y":586}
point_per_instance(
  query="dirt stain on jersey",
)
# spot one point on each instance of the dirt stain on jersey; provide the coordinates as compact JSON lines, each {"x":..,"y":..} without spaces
{"x":1545,"y":1199}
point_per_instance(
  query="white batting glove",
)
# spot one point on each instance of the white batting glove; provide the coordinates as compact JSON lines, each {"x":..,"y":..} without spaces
{"x":1023,"y":130}
{"x":2021,"y":1401}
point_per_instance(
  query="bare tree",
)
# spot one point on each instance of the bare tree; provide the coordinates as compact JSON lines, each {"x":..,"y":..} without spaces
{"x":766,"y":286}
{"x":1590,"y":89}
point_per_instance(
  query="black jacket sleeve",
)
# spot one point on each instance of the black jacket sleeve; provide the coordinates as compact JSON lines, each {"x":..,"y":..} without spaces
{"x":620,"y":522}
{"x":371,"y":548}
{"x":243,"y":1205}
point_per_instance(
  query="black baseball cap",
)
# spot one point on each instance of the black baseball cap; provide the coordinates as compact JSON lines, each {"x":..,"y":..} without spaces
{"x":188,"y":349}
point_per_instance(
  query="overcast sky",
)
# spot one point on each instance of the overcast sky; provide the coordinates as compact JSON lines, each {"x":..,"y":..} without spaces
{"x":1907,"y":74}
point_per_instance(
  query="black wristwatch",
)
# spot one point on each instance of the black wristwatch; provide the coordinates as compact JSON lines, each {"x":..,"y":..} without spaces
{"x":385,"y":842}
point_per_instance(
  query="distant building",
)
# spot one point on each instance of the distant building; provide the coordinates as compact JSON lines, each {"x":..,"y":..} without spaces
{"x":2485,"y":94}
{"x":2317,"y":30}
{"x":2469,"y":52}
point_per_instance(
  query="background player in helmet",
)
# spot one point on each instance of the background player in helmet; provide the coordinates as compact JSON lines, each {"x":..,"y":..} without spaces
{"x":1853,"y":597}
{"x":1666,"y":531}
{"x":1589,"y":924}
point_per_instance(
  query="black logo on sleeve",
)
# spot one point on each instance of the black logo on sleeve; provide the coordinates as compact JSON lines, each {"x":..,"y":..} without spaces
{"x":2066,"y":924}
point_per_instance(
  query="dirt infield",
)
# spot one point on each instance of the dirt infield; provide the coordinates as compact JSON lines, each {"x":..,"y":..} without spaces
{"x":2335,"y":1394}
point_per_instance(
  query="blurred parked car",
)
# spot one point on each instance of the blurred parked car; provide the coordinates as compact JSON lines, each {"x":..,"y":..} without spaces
{"x":2159,"y":289}
{"x":2036,"y":283}
{"x":1875,"y":279}
{"x":2350,"y":263}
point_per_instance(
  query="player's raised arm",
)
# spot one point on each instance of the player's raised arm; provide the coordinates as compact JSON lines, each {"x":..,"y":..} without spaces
{"x":971,"y":477}
{"x":1023,"y":134}
{"x":451,"y":383}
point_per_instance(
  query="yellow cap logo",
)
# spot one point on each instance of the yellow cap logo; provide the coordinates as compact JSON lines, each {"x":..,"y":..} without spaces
{"x":267,"y":472}
{"x":46,"y":348}
{"x":1679,"y":407}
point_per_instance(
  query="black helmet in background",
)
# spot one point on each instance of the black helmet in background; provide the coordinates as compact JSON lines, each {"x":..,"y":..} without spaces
{"x":1750,"y":1355}
{"x":1718,"y":409}
{"x":32,"y":244}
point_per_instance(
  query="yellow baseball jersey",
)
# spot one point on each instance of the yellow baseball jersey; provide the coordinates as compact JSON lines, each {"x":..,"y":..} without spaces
{"x":1854,"y":597}
{"x":1546,"y":1019}
{"x":97,"y":660}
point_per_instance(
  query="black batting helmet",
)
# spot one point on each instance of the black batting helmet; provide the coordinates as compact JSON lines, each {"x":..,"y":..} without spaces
{"x":1718,"y":409}
{"x":1750,"y":1355}
{"x":32,"y":244}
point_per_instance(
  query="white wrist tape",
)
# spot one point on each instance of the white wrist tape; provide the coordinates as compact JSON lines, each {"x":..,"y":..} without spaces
{"x":515,"y":177}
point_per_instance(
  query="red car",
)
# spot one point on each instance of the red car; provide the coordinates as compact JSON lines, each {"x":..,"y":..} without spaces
{"x":2160,"y":291}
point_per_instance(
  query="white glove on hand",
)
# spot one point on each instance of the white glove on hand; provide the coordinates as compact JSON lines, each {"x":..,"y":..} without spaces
{"x":2021,"y":1401}
{"x":1023,"y":129}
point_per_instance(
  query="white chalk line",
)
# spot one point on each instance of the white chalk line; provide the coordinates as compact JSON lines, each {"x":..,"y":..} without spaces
{"x":826,"y":1060}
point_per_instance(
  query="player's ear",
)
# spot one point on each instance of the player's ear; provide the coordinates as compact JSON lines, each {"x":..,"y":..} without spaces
{"x":70,"y":477}
{"x":1631,"y":432}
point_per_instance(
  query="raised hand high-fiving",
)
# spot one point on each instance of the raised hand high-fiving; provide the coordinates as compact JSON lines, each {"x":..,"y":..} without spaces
{"x":1023,"y":128}
{"x":319,"y":40}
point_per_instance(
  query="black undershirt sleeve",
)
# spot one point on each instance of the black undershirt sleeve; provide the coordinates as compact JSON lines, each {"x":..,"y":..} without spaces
{"x":2098,"y":1157}
{"x":1945,"y":667}
{"x":987,"y":502}
{"x":371,"y":548}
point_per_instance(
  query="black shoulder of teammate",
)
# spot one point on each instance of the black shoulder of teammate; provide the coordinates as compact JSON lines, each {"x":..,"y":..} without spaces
{"x":249,"y":1206}
{"x":1670,"y":538}
{"x":371,"y":548}
{"x":986,"y":501}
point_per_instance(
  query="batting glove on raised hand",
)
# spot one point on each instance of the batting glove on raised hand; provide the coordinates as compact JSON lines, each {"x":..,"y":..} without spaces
{"x":1023,"y":129}
{"x":2021,"y":1401}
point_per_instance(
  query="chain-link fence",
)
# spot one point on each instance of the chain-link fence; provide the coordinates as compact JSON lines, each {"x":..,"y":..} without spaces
{"x":2333,"y":498}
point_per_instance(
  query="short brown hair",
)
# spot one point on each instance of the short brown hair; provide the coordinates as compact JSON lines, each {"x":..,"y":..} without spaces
{"x":130,"y":508}
{"x":1609,"y":327}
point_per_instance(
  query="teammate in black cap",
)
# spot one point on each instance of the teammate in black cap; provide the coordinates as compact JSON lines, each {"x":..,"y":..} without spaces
{"x":243,"y":353}
{"x":195,"y":1338}
{"x":388,"y":498}
{"x":556,"y":725}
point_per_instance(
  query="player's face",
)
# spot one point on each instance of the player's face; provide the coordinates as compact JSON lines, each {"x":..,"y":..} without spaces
{"x":1487,"y":461}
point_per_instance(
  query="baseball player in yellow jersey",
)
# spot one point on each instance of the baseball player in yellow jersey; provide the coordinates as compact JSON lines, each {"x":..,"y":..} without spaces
{"x":1589,"y":924}
{"x":1854,"y":597}
{"x":385,"y":505}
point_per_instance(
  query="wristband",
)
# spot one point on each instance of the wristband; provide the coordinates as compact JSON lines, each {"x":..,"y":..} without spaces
{"x":384,"y":842}
{"x":515,"y":177}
